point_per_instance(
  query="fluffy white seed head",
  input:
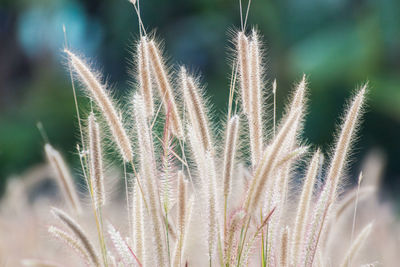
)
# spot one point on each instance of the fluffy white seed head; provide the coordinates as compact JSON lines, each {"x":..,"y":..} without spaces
{"x":78,"y":233}
{"x":195,"y":107}
{"x":339,"y":159}
{"x":182,"y":197}
{"x":103,"y":100}
{"x":230,"y":152}
{"x":255,"y":100}
{"x":72,"y":242}
{"x":138,"y":219}
{"x":96,"y":162}
{"x":303,"y":209}
{"x":211,"y":204}
{"x":268,"y":162}
{"x":149,"y":182}
{"x":160,"y":74}
{"x":64,"y":177}
{"x":120,"y":245}
{"x":144,"y":75}
{"x":243,"y":50}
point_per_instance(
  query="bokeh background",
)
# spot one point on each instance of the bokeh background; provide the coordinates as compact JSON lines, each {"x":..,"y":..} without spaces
{"x":338,"y":44}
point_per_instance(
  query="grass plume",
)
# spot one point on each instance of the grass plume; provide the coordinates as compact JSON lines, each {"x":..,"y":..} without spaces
{"x":103,"y":100}
{"x":79,"y":235}
{"x":160,"y":74}
{"x":64,"y":177}
{"x":96,"y":162}
{"x":145,"y":75}
{"x":255,"y":100}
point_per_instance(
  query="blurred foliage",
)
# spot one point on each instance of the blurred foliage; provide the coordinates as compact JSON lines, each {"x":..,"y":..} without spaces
{"x":338,"y":44}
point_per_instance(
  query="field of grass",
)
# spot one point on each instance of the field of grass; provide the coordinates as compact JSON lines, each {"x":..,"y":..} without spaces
{"x":166,"y":185}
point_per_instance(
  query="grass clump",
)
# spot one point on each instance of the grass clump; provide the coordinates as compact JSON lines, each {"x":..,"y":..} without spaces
{"x":192,"y":199}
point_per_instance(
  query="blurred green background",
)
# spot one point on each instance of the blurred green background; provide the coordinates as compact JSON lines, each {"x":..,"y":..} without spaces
{"x":338,"y":44}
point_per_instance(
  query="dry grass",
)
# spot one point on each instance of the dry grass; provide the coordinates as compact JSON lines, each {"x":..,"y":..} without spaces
{"x":191,"y":198}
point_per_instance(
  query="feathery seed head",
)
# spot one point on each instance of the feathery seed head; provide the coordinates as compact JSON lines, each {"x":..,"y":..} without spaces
{"x":182,"y":196}
{"x":150,"y":186}
{"x":254,"y":114}
{"x":343,"y":144}
{"x":243,"y":50}
{"x":103,"y":100}
{"x":303,"y":209}
{"x":299,"y":95}
{"x":196,"y":109}
{"x":78,"y":233}
{"x":64,"y":177}
{"x":268,"y":162}
{"x":230,"y":152}
{"x":145,"y":84}
{"x":121,"y":246}
{"x":73,"y":242}
{"x":96,"y":162}
{"x":160,"y":74}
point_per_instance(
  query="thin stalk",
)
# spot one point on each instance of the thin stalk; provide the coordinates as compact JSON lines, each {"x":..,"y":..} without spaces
{"x":74,"y":91}
{"x":243,"y":240}
{"x":96,"y":216}
{"x":247,"y":14}
{"x":102,"y":243}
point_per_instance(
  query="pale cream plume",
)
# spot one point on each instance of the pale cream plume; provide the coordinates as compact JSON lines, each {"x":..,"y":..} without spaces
{"x":328,"y":195}
{"x":103,"y":100}
{"x":303,"y":208}
{"x":64,"y":177}
{"x":195,"y":107}
{"x":73,"y":242}
{"x":149,"y":182}
{"x":343,"y":144}
{"x":267,"y":164}
{"x":255,"y":101}
{"x":144,"y":75}
{"x":181,"y":218}
{"x":79,"y":234}
{"x":243,"y":50}
{"x":229,"y":154}
{"x":96,"y":162}
{"x":138,"y":217}
{"x":166,"y":93}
